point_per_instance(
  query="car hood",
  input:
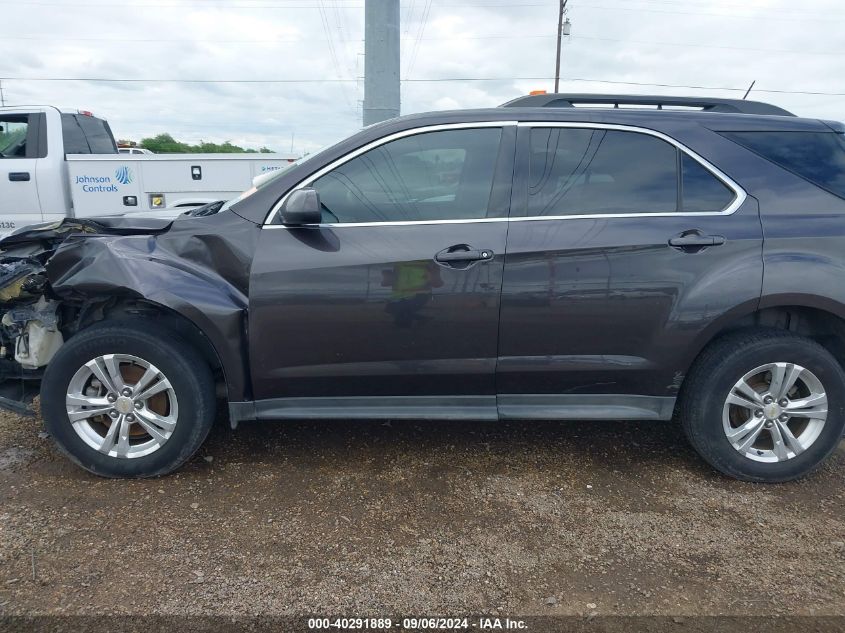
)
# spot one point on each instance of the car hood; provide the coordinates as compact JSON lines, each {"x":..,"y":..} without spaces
{"x":47,"y":232}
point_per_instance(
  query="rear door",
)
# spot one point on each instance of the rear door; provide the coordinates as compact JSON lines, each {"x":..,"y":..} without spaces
{"x":623,"y":249}
{"x":20,"y":152}
{"x":390,"y":307}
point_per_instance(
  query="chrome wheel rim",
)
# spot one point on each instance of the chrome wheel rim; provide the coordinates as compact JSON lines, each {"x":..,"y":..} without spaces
{"x":122,"y":406}
{"x":775,"y":412}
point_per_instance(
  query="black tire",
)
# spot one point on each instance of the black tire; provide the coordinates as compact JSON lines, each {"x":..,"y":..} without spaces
{"x":189,"y":375}
{"x":725,"y":362}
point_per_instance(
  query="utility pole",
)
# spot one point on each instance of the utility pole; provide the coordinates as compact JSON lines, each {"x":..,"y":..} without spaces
{"x":562,"y":29}
{"x":381,"y":60}
{"x":2,"y":95}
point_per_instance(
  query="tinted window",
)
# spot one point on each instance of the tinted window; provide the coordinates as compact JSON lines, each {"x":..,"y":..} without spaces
{"x":580,"y":171}
{"x":432,"y":176}
{"x":73,"y":137}
{"x":13,"y":135}
{"x":702,"y":191}
{"x":817,"y":156}
{"x":86,"y":135}
{"x":98,"y":134}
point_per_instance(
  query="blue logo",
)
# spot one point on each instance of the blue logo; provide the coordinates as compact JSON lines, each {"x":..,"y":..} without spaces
{"x":123,"y":175}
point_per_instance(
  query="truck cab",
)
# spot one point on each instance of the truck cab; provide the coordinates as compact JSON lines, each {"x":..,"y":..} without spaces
{"x":58,"y":164}
{"x":34,"y":141}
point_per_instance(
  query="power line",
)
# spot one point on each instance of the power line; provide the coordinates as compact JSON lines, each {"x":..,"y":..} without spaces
{"x":425,"y":39}
{"x":759,"y":16}
{"x":424,"y":80}
{"x":420,"y":30}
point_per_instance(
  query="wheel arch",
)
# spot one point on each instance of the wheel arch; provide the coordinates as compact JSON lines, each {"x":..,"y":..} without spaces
{"x":95,"y":313}
{"x":815,"y":317}
{"x":116,"y":274}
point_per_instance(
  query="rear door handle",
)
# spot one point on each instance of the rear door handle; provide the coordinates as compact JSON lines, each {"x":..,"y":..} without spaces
{"x":463,"y":253}
{"x":19,"y":176}
{"x":696,"y":240}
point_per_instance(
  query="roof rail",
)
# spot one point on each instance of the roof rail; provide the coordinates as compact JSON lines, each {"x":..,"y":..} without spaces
{"x":559,"y":100}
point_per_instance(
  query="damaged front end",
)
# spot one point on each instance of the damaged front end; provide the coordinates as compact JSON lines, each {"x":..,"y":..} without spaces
{"x":30,"y":314}
{"x":29,"y":332}
{"x":191,"y":274}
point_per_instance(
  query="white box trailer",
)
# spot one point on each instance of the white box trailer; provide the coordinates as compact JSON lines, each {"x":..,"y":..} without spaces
{"x":102,"y":185}
{"x":56,"y":164}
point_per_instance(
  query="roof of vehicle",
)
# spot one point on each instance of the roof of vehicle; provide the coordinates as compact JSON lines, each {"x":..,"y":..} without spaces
{"x":44,"y":108}
{"x":639,"y":117}
{"x":705,"y":104}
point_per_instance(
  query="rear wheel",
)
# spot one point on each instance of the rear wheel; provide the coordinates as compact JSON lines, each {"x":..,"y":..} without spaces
{"x":122,"y":402}
{"x":765,"y":406}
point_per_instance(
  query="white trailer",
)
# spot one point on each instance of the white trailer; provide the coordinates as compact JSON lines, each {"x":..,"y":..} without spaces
{"x":56,"y":164}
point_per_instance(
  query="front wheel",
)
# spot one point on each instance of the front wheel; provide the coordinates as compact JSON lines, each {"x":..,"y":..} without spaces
{"x":765,"y":406}
{"x":122,"y":402}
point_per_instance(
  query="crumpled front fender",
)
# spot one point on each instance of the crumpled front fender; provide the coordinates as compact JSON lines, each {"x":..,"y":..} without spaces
{"x":184,"y":275}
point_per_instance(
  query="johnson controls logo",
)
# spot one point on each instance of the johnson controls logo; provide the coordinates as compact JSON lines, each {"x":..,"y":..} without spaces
{"x":104,"y":184}
{"x":123,"y":175}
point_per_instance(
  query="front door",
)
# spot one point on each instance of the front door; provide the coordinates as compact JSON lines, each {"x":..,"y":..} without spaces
{"x":391,"y":306}
{"x":623,"y":250}
{"x":19,"y":204}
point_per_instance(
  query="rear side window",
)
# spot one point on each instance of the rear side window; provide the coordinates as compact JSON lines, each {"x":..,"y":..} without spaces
{"x":584,"y":171}
{"x":86,"y":135}
{"x":702,"y":191}
{"x":816,"y":156}
{"x":576,"y":171}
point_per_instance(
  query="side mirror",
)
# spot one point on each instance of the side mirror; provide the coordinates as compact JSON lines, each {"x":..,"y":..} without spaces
{"x":302,"y":207}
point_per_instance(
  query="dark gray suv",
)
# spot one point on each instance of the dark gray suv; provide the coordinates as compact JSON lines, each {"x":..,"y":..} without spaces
{"x":552,"y":259}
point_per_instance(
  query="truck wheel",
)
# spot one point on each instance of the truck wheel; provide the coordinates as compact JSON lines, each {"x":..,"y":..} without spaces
{"x":765,"y":406}
{"x":123,"y":402}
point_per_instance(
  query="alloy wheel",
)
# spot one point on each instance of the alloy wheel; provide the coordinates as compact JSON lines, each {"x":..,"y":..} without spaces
{"x":122,"y":406}
{"x":775,"y":412}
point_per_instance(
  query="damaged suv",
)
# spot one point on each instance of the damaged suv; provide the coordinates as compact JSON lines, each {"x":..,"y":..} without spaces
{"x":535,"y":261}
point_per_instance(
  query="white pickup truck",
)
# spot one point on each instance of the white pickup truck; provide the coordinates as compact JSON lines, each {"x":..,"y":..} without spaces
{"x":56,"y":164}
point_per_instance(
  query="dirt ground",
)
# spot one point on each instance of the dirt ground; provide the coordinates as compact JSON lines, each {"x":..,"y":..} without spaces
{"x":448,"y":518}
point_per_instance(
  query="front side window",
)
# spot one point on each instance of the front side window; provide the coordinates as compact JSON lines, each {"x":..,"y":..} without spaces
{"x":13,"y":133}
{"x":578,"y":171}
{"x":441,"y":175}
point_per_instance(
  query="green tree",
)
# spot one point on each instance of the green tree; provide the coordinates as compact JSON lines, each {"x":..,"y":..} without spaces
{"x":166,"y":144}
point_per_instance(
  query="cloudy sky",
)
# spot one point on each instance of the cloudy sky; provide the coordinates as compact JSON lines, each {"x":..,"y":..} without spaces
{"x":713,"y":47}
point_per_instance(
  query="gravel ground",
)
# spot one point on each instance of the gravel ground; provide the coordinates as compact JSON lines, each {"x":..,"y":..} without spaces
{"x":406,"y":518}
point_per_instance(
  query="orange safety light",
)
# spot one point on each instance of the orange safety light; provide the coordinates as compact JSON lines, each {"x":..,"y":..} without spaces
{"x":537,"y":92}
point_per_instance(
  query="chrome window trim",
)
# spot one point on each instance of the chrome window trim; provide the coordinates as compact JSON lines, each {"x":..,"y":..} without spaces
{"x":372,"y":145}
{"x":739,"y":193}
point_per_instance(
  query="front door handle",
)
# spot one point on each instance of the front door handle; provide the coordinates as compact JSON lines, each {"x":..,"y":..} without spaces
{"x":19,"y":176}
{"x":463,"y":253}
{"x":695,"y":240}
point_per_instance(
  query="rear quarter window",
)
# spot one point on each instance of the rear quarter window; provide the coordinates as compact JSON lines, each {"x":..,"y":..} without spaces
{"x":815,"y":156}
{"x":86,"y":135}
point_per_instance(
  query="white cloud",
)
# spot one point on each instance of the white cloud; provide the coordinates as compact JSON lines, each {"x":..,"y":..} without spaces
{"x":784,"y":46}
